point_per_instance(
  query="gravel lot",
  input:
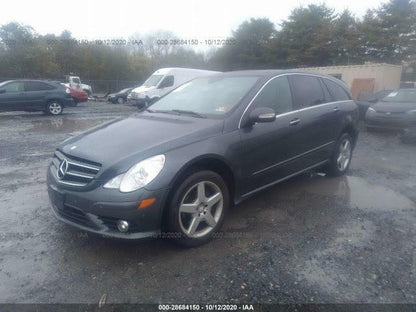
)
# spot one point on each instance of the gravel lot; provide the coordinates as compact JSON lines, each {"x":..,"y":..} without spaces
{"x":311,"y":239}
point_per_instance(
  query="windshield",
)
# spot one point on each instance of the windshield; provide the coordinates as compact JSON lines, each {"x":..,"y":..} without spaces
{"x":4,"y":82}
{"x":76,"y":80}
{"x":153,"y":80}
{"x":125,"y":90}
{"x":403,"y":95}
{"x":213,"y":96}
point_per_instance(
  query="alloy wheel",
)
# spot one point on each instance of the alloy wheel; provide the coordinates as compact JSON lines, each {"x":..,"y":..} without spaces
{"x":55,"y":108}
{"x":200,"y":209}
{"x":344,"y":155}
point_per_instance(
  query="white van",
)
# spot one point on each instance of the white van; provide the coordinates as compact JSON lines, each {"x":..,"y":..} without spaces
{"x":161,"y":82}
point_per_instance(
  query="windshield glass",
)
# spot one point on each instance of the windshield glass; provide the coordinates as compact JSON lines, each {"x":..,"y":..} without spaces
{"x":213,"y":96}
{"x":153,"y":80}
{"x":403,"y":95}
{"x":4,"y":82}
{"x":76,"y":80}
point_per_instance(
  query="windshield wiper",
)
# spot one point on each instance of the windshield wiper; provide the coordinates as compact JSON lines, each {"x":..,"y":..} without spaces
{"x":189,"y":112}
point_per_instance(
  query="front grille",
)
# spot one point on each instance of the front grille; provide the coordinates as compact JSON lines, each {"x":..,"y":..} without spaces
{"x":78,"y":172}
{"x":75,"y":215}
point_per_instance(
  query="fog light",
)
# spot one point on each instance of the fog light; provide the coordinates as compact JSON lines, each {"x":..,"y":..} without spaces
{"x":123,"y":226}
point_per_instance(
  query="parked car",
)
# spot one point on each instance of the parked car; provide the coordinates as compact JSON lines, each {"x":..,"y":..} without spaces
{"x":34,"y":95}
{"x":161,"y":82}
{"x":396,"y":111}
{"x":78,"y":96}
{"x":367,"y":98}
{"x":119,"y":97}
{"x":210,"y":143}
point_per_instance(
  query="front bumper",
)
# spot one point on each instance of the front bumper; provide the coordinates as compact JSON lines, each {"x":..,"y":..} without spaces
{"x":98,"y":210}
{"x":137,"y":102}
{"x":393,"y":121}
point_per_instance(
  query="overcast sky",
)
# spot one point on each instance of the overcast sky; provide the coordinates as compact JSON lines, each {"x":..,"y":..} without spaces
{"x":96,"y":19}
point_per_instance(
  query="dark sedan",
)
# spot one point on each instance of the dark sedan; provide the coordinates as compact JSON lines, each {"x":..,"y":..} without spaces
{"x":175,"y":169}
{"x":396,"y":111}
{"x":34,"y":95}
{"x":119,"y":97}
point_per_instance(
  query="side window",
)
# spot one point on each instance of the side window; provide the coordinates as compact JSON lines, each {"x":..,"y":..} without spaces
{"x":14,"y":87}
{"x":166,"y":82}
{"x":307,"y":91}
{"x":36,"y":86}
{"x":338,"y":93}
{"x":276,"y":95}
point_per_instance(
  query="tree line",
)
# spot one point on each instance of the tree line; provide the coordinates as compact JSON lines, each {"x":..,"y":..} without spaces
{"x":314,"y":35}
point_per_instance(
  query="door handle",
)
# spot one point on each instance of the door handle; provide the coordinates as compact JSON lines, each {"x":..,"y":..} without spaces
{"x":294,"y":122}
{"x":336,"y":109}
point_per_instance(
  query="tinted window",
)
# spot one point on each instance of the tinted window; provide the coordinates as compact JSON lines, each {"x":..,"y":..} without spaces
{"x":276,"y":95}
{"x":167,"y":82}
{"x":36,"y":86}
{"x":13,"y":87}
{"x":338,"y":93}
{"x":307,"y":91}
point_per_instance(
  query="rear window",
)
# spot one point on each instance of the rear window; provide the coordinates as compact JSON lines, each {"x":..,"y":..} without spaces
{"x":37,"y":86}
{"x":307,"y":91}
{"x":337,"y":92}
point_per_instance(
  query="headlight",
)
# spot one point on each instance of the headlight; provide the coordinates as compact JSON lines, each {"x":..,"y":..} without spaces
{"x":138,"y":176}
{"x":370,"y":109}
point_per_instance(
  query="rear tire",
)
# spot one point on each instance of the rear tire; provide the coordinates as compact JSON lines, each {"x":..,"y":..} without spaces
{"x":54,"y":108}
{"x":197,"y":209}
{"x":120,"y":100}
{"x":341,"y":158}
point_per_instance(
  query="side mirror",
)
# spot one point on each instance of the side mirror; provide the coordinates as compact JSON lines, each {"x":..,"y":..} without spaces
{"x":2,"y":91}
{"x":261,"y":114}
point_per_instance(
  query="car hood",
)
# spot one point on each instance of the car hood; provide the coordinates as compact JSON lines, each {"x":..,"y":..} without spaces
{"x":142,"y":89}
{"x":393,"y":107}
{"x":142,"y":135}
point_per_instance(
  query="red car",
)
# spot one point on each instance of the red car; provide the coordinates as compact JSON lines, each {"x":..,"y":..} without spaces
{"x":78,"y":95}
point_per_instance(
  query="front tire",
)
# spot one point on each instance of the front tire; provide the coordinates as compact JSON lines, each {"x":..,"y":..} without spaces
{"x":341,"y":157}
{"x":54,"y":108}
{"x":197,"y":208}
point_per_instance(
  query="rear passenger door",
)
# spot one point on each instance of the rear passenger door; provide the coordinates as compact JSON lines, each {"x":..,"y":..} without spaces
{"x":318,"y":115}
{"x":271,"y":149}
{"x":35,"y":94}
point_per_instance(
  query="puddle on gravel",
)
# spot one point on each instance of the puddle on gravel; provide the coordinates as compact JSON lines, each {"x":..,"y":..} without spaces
{"x":359,"y":193}
{"x":64,"y":125}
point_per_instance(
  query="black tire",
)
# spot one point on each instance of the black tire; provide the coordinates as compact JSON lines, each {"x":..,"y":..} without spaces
{"x":338,"y":164}
{"x":199,"y":212}
{"x":54,"y":108}
{"x":120,"y":100}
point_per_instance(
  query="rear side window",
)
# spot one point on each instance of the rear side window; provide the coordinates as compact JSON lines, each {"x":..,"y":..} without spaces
{"x":337,"y":92}
{"x":307,"y":91}
{"x":276,"y":95}
{"x":37,"y":86}
{"x":13,"y":87}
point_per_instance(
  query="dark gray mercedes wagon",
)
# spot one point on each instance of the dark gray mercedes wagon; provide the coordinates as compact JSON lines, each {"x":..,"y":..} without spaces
{"x":177,"y":167}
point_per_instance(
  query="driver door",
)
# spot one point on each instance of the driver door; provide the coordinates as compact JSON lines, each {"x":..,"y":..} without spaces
{"x":12,"y":98}
{"x":269,"y":147}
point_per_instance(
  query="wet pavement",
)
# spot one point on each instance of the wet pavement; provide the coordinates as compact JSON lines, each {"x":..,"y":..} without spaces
{"x":310,"y":239}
